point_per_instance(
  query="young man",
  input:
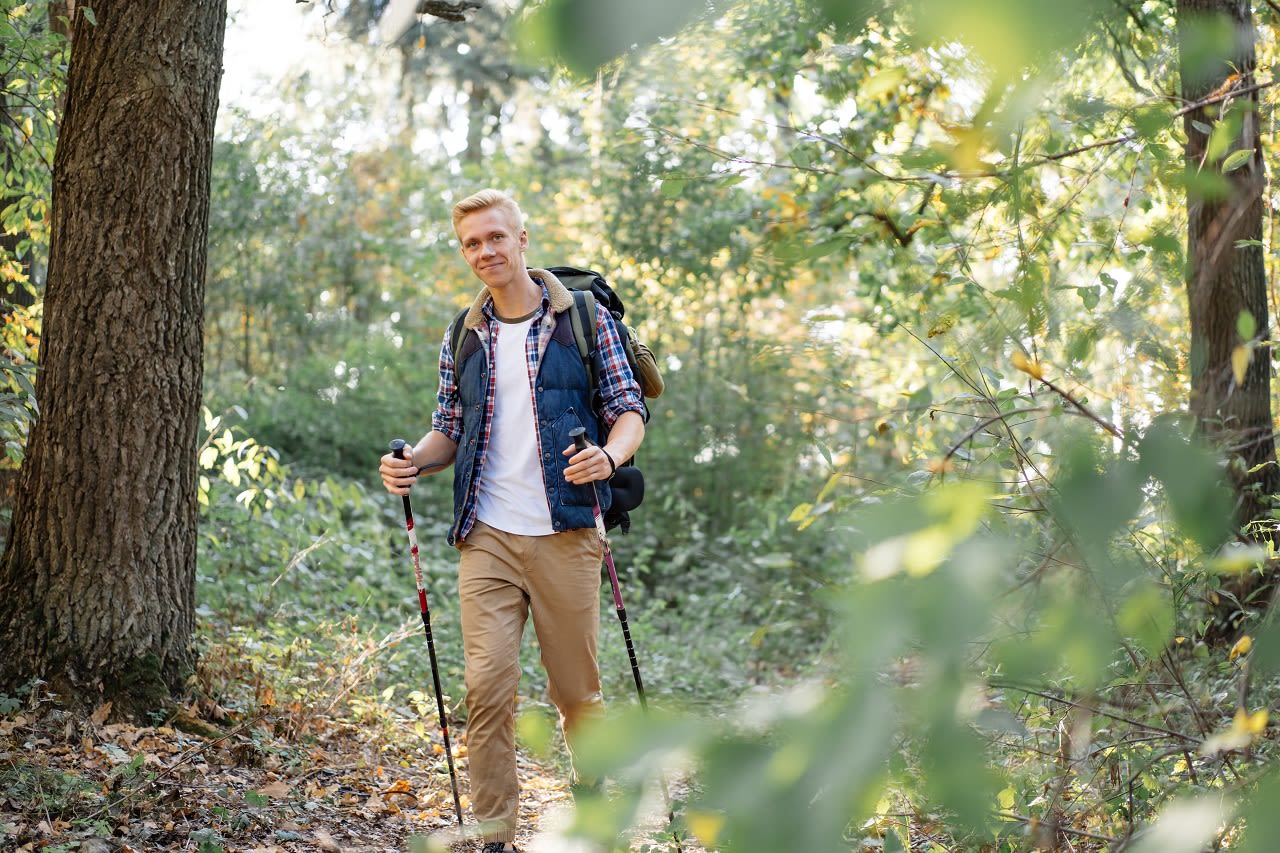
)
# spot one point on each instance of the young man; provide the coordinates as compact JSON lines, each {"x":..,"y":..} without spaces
{"x":523,"y":502}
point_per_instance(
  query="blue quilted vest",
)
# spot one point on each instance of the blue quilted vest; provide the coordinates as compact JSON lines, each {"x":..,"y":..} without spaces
{"x":563,"y":401}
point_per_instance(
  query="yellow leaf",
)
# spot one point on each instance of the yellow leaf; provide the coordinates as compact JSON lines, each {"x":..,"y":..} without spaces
{"x":1240,"y":357}
{"x":1245,"y":729}
{"x":800,"y":512}
{"x":1241,"y":648}
{"x":1006,"y":798}
{"x":1028,"y":366}
{"x":944,"y":324}
{"x":1249,"y":724}
{"x":705,"y":826}
{"x":208,"y":457}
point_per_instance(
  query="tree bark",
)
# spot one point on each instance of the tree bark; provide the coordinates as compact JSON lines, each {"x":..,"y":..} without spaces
{"x":1225,"y":276}
{"x":97,"y":580}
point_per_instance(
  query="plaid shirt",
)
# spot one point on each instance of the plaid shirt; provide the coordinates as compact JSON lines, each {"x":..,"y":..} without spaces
{"x":618,"y":389}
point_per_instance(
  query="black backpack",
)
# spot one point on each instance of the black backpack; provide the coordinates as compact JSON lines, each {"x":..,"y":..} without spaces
{"x":589,"y":287}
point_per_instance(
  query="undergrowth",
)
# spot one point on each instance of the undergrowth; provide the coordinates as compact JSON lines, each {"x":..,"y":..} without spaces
{"x":307,"y":601}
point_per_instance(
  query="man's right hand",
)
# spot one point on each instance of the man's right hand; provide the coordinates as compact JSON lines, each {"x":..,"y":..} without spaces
{"x":398,"y":475}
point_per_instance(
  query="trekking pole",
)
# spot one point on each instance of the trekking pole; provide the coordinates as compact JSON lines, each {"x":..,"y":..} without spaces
{"x":397,"y":450}
{"x":580,"y":443}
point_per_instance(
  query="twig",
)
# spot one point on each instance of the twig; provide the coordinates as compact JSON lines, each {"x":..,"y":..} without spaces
{"x":1132,"y":135}
{"x":1099,"y":711}
{"x":984,"y":423}
{"x":297,"y":558}
{"x":1034,"y":821}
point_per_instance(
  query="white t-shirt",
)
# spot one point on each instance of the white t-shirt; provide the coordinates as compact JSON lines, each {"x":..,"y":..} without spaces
{"x":511,"y":495}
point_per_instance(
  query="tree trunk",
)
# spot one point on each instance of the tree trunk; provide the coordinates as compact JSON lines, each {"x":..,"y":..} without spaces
{"x":97,"y":580}
{"x":480,"y":107}
{"x":1227,"y":277}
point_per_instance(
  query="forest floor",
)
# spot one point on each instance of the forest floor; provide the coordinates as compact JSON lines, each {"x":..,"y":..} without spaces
{"x":197,"y":784}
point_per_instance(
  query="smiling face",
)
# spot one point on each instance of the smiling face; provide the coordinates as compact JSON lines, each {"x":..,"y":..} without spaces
{"x":493,"y":242}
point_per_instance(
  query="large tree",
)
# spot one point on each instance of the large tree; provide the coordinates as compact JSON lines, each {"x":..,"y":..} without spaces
{"x":1226,"y":270}
{"x":97,"y":579}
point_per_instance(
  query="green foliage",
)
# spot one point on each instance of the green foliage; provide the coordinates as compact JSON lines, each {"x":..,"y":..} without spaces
{"x":33,"y":82}
{"x":962,"y":650}
{"x":19,"y":339}
{"x":586,"y":34}
{"x":52,"y":791}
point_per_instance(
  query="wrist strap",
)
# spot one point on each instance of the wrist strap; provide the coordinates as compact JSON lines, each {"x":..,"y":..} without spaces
{"x":612,"y":466}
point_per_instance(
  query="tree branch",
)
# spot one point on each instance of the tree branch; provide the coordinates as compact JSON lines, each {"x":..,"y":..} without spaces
{"x":1216,"y":98}
{"x":456,"y":12}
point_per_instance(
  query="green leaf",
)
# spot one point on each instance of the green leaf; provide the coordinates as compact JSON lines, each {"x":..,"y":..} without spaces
{"x":584,"y":35}
{"x":1224,"y":133}
{"x":1246,"y":325}
{"x":1236,"y":159}
{"x":1193,"y":482}
{"x":1151,"y":121}
{"x":883,"y":83}
{"x":89,"y":15}
{"x":1148,"y":616}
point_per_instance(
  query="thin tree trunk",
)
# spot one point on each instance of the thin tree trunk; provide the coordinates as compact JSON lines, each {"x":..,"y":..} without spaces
{"x":97,"y":580}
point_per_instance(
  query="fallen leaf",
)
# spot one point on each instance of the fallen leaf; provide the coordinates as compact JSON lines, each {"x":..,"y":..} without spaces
{"x":100,"y":715}
{"x":278,"y":790}
{"x":324,"y":841}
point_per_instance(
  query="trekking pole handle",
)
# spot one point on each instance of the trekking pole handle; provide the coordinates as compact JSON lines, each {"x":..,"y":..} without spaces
{"x":397,"y":450}
{"x":579,"y":436}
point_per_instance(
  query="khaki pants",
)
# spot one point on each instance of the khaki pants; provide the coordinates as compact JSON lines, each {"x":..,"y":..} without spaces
{"x":502,"y":578}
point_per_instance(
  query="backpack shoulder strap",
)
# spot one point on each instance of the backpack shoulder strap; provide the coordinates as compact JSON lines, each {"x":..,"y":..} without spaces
{"x":457,"y":332}
{"x":583,"y":319}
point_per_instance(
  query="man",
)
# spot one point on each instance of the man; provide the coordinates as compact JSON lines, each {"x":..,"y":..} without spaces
{"x":523,"y":498}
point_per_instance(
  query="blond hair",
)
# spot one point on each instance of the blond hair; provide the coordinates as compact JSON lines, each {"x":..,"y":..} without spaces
{"x":486,"y":199}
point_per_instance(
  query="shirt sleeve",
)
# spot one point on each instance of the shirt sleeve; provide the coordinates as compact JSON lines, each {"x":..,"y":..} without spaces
{"x":447,"y":417}
{"x":618,"y":387}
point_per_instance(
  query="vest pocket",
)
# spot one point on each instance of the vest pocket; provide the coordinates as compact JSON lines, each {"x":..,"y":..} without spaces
{"x":573,"y":495}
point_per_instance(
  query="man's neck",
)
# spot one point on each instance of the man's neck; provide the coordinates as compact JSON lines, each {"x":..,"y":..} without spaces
{"x":516,"y":299}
